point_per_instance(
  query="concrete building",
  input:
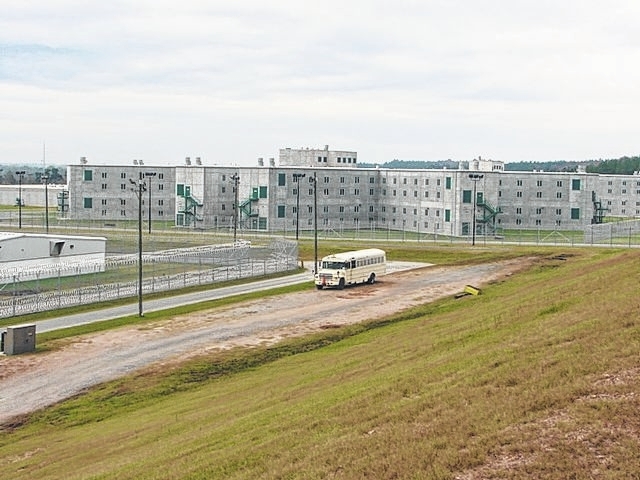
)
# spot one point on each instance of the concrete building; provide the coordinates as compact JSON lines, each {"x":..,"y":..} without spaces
{"x":110,"y":192}
{"x":31,"y":256}
{"x":353,"y":198}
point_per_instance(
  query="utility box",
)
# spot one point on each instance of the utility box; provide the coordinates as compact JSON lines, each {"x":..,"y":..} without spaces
{"x":20,"y":339}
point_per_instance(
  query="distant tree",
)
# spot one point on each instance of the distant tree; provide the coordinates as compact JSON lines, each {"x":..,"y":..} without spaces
{"x":33,"y":174}
{"x":620,"y":166}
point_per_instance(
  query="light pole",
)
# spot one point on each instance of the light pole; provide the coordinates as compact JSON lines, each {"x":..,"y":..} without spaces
{"x":475,"y":177}
{"x":139,"y":189}
{"x":20,"y":174}
{"x":45,"y":179}
{"x":296,"y":179}
{"x":149,"y":175}
{"x":314,"y":180}
{"x":236,"y":181}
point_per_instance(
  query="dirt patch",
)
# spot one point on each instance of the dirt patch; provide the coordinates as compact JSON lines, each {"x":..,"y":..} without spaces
{"x":29,"y":382}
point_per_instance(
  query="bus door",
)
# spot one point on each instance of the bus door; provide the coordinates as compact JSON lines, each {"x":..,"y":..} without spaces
{"x":350,"y":267}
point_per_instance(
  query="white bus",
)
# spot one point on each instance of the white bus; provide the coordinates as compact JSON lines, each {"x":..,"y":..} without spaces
{"x":349,"y":268}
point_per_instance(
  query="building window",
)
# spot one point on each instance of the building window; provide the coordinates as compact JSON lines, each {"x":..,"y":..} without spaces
{"x":466,"y":196}
{"x":103,"y":174}
{"x":282,"y":179}
{"x":448,"y":183}
{"x":519,"y":194}
{"x":104,"y":201}
{"x":372,"y":180}
{"x":123,"y":201}
{"x":123,"y":186}
{"x":263,"y":192}
{"x":575,"y":213}
{"x":538,"y":194}
{"x":447,"y":215}
{"x":539,"y":183}
{"x":281,"y":211}
{"x":558,"y":211}
{"x":559,"y":195}
{"x":518,"y":183}
{"x":326,"y":192}
{"x":575,"y":184}
{"x":559,"y":183}
{"x":356,"y":191}
{"x":87,"y":175}
{"x":104,"y":186}
{"x":371,"y":191}
{"x":341,"y":191}
{"x":87,"y":202}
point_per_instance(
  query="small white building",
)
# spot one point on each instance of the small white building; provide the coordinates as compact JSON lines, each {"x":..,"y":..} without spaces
{"x":31,"y":256}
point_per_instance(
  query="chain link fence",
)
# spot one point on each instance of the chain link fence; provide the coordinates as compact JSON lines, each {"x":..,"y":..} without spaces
{"x":162,"y":271}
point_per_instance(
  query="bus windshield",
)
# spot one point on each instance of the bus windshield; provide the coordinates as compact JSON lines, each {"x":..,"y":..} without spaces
{"x":333,"y":265}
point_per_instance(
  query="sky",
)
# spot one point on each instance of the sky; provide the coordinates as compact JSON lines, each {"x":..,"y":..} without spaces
{"x":232,"y":81}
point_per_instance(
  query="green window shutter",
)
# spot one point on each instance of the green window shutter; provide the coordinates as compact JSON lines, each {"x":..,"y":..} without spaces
{"x":466,"y":196}
{"x":88,"y":175}
{"x":180,"y":189}
{"x":575,"y":213}
{"x":281,"y":211}
{"x":575,"y":184}
{"x":88,"y":202}
{"x":447,"y":215}
{"x":282,"y":179}
{"x":447,"y":183}
{"x":263,"y":192}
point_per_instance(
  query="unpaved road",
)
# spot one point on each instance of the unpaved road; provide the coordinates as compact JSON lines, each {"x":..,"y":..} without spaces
{"x":33,"y":381}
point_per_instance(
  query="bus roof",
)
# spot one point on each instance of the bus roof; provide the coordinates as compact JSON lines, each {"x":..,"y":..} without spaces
{"x":353,"y":254}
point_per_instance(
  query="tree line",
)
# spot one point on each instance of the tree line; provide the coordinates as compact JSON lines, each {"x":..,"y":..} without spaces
{"x":32,"y":174}
{"x":620,"y":166}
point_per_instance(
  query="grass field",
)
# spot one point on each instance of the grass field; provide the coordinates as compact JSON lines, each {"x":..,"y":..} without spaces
{"x":536,"y":378}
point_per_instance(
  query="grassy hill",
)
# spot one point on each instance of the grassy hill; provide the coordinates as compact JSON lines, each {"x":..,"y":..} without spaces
{"x":536,"y":378}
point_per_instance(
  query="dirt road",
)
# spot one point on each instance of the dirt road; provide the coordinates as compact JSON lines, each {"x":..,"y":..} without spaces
{"x":30,"y":382}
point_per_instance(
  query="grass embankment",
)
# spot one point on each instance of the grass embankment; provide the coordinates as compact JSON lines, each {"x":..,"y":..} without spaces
{"x":537,"y":377}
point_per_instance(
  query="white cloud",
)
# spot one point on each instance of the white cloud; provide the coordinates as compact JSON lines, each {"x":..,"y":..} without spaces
{"x":231,"y":82}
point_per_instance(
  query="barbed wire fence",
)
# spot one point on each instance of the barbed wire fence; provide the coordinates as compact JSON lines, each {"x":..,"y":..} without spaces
{"x":49,"y":287}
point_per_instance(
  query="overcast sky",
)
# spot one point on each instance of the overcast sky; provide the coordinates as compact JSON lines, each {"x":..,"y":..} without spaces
{"x":233,"y":81}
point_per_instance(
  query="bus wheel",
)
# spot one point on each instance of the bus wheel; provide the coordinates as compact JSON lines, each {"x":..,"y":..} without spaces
{"x":319,"y":287}
{"x":341,"y":284}
{"x":372,"y":279}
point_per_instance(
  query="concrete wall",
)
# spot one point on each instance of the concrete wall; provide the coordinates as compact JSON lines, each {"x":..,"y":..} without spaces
{"x":32,"y":195}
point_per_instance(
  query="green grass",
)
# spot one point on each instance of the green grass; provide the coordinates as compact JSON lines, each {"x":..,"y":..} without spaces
{"x":535,"y":378}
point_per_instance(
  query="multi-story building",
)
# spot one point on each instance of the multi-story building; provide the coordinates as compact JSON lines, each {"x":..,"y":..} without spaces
{"x":281,"y":197}
{"x":110,"y":192}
